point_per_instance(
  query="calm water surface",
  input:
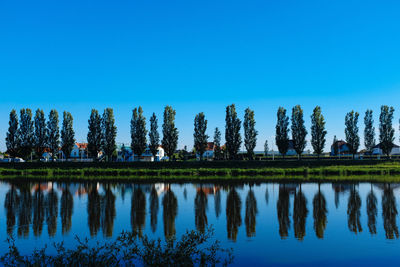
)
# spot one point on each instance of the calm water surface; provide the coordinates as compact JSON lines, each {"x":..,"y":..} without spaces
{"x":267,"y":223}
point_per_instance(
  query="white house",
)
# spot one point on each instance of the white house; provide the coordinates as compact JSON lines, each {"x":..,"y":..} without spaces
{"x":79,"y":151}
{"x":376,"y":150}
{"x":125,"y":154}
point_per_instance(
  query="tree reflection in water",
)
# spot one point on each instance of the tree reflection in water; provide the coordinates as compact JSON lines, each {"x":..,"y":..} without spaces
{"x":300,"y":212}
{"x":372,"y":211}
{"x":138,"y":211}
{"x":11,"y":204}
{"x":389,"y":213}
{"x":170,"y":211}
{"x":354,"y":211}
{"x":38,"y":211}
{"x":154,"y":205}
{"x":93,"y":209}
{"x":217,"y":203}
{"x":24,"y":210}
{"x":319,"y":213}
{"x":51,"y":211}
{"x":251,"y":213}
{"x":233,"y":216}
{"x":282,"y":207}
{"x":107,"y":214}
{"x":200,"y":209}
{"x":67,"y":208}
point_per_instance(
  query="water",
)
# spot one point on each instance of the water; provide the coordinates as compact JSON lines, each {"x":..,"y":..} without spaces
{"x":267,"y":223}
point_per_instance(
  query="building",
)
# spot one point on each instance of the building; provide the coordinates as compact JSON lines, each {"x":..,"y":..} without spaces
{"x":79,"y":151}
{"x":377,"y":150}
{"x":342,"y":148}
{"x":209,"y":153}
{"x":125,"y":154}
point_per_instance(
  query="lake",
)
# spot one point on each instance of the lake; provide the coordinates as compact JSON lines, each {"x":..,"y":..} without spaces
{"x":264,"y":223}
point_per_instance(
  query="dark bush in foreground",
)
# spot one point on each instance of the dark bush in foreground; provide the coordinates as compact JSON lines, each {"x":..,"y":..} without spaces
{"x":193,"y":249}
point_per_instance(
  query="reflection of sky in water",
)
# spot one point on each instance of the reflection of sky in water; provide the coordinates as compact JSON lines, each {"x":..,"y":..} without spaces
{"x":259,"y":244}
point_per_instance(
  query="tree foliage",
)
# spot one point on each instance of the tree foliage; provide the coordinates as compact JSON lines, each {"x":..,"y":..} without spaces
{"x":53,"y":133}
{"x":318,"y":131}
{"x":138,"y":132}
{"x":154,"y":136}
{"x":199,"y":135}
{"x":40,"y":133}
{"x":217,"y":144}
{"x":109,"y":133}
{"x":94,"y":136}
{"x":232,"y":132}
{"x":250,"y":133}
{"x":386,"y":131}
{"x":266,"y":148}
{"x":369,"y":131}
{"x":299,"y":131}
{"x":170,"y":132}
{"x":67,"y":134}
{"x":26,"y":133}
{"x":351,"y":131}
{"x":12,"y":137}
{"x":282,"y":131}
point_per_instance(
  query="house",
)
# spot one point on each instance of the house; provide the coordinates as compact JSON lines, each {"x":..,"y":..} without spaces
{"x":377,"y":150}
{"x":342,"y":148}
{"x":125,"y":154}
{"x":208,"y":153}
{"x":79,"y":151}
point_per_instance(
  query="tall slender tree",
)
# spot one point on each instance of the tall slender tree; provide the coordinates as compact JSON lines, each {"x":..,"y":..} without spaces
{"x":12,"y":138}
{"x":53,"y":133}
{"x":26,"y":133}
{"x":138,"y":132}
{"x":94,"y":136}
{"x":250,"y":133}
{"x":109,"y":133}
{"x":266,"y":148}
{"x":67,"y":134}
{"x":369,"y":131}
{"x":232,"y":132}
{"x":217,"y":144}
{"x":40,"y":133}
{"x":199,"y":135}
{"x":282,"y":131}
{"x":299,"y":131}
{"x":386,"y":131}
{"x":154,"y":136}
{"x":335,"y":146}
{"x":318,"y":131}
{"x":170,"y":132}
{"x":351,"y":131}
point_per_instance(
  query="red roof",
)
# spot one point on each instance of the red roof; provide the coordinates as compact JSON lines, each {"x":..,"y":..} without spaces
{"x":82,"y":145}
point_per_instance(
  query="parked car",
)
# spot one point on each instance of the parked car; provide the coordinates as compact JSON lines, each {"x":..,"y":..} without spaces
{"x":18,"y":160}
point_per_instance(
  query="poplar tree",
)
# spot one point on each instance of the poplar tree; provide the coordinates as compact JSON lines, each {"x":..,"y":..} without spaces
{"x":138,"y":132}
{"x":26,"y":133}
{"x":94,"y":136}
{"x":250,"y":133}
{"x":109,"y":133}
{"x":53,"y":133}
{"x":170,"y":132}
{"x":335,"y":145}
{"x":266,"y":148}
{"x":386,"y":131}
{"x":40,"y":133}
{"x":369,"y":131}
{"x":217,"y":144}
{"x":67,"y":134}
{"x":154,"y":136}
{"x":199,"y":135}
{"x":318,"y":131}
{"x":282,"y":131}
{"x":299,"y":131}
{"x":351,"y":132}
{"x":12,"y":137}
{"x":232,"y":132}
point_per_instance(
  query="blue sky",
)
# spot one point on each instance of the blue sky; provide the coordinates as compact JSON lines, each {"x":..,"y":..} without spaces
{"x":199,"y":56}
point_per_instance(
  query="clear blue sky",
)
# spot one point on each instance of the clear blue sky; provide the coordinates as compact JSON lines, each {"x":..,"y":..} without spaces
{"x":199,"y":56}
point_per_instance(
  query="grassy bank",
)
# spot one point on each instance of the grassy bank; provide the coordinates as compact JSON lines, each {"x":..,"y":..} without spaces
{"x":382,"y":171}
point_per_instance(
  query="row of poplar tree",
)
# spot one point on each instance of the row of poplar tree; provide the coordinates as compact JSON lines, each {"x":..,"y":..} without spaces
{"x":29,"y":134}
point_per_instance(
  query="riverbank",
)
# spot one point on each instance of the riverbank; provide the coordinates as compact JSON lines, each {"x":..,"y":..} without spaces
{"x":387,"y":171}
